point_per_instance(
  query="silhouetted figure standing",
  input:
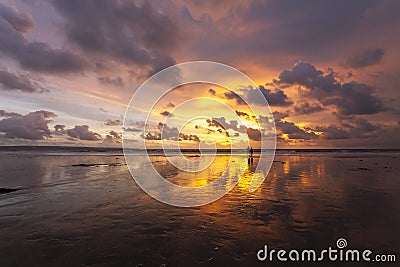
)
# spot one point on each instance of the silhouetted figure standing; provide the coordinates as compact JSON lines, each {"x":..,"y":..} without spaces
{"x":249,"y":154}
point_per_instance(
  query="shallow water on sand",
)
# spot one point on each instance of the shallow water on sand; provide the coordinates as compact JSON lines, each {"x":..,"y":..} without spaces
{"x":87,"y":210}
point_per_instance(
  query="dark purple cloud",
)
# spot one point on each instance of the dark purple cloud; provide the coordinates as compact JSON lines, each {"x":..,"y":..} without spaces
{"x":112,"y":138}
{"x":21,"y":22}
{"x":233,"y":96}
{"x":279,"y":32}
{"x":166,"y":132}
{"x":350,"y":98}
{"x":37,"y":56}
{"x":222,"y":123}
{"x":134,"y":130}
{"x":253,"y":134}
{"x":113,"y":122}
{"x":163,"y":132}
{"x":128,"y":32}
{"x":33,"y":126}
{"x":4,"y":113}
{"x":274,"y":97}
{"x":115,"y":135}
{"x":293,"y":131}
{"x":279,"y":115}
{"x":289,"y":128}
{"x":82,"y":132}
{"x":59,"y":128}
{"x":359,"y":127}
{"x":166,"y":113}
{"x":212,"y":92}
{"x":304,"y":107}
{"x":333,"y":132}
{"x":189,"y":137}
{"x":106,"y":80}
{"x":242,"y":114}
{"x":365,"y":58}
{"x":16,"y":81}
{"x":151,"y":136}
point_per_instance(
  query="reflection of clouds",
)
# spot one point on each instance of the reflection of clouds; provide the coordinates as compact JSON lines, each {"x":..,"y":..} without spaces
{"x":305,"y":198}
{"x":315,"y":197}
{"x":339,"y":199}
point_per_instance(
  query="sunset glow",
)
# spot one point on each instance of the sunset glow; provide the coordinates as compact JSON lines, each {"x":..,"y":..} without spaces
{"x":82,"y":76}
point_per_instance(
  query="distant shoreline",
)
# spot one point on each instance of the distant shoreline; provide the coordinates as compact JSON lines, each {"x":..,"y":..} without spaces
{"x":71,"y":149}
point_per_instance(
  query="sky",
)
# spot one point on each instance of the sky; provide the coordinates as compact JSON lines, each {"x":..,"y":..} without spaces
{"x":329,"y":70}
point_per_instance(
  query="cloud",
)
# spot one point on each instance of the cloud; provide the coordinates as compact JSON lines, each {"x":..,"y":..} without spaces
{"x":16,"y":81}
{"x":279,"y":32}
{"x":333,"y":132}
{"x":112,"y":138}
{"x":167,"y":114}
{"x":365,"y":58}
{"x":365,"y":125}
{"x":59,"y":128}
{"x":279,"y":115}
{"x":33,"y":126}
{"x":4,"y":113}
{"x":21,"y":22}
{"x":212,"y":92}
{"x":164,"y":132}
{"x":169,"y":133}
{"x":108,"y":140}
{"x":134,"y":130}
{"x":115,"y":135}
{"x":110,"y":81}
{"x":242,"y":114}
{"x":360,"y":127}
{"x":189,"y":137}
{"x":233,"y":96}
{"x":291,"y":129}
{"x":304,"y":73}
{"x":82,"y":132}
{"x":304,"y":107}
{"x":151,"y":136}
{"x":274,"y":98}
{"x":350,"y":98}
{"x":170,"y":105}
{"x":253,"y":134}
{"x":110,"y":122}
{"x":222,"y":123}
{"x":131,"y":33}
{"x":37,"y":56}
{"x":351,"y":127}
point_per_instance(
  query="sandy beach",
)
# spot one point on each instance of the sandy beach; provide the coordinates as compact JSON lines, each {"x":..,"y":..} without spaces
{"x":74,"y":210}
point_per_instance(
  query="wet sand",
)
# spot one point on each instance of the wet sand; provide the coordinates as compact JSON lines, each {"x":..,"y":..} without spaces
{"x":74,"y":210}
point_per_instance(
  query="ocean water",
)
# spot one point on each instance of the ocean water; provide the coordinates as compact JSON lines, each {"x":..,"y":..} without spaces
{"x":83,"y":208}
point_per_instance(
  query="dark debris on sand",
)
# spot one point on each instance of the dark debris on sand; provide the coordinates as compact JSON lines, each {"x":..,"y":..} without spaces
{"x":96,"y":164}
{"x":361,"y":169}
{"x":7,"y":190}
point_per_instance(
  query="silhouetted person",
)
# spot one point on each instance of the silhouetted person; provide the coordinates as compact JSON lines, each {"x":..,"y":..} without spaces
{"x":251,"y":154}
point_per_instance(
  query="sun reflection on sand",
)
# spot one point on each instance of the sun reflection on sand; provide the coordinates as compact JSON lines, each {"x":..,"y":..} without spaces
{"x":84,"y":200}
